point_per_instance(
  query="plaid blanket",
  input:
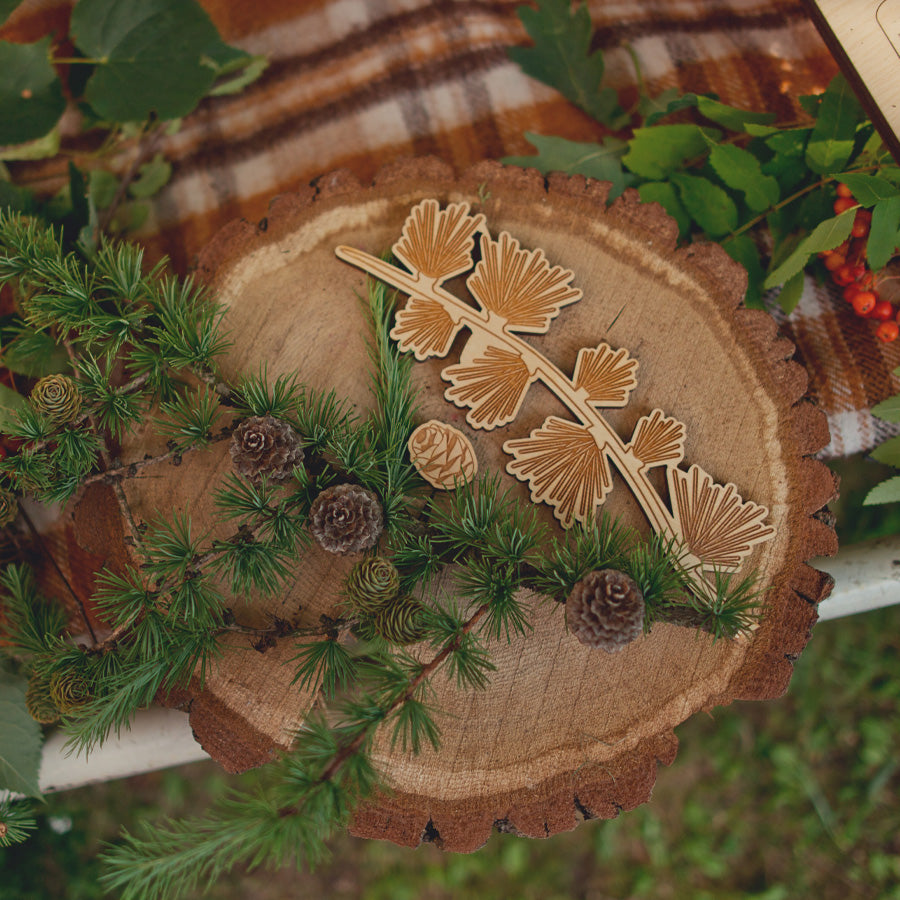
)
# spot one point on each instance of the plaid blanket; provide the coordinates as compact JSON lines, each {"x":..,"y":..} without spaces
{"x":358,"y":83}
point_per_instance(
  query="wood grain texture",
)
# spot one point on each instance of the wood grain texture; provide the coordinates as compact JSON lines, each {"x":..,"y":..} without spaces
{"x":563,"y":732}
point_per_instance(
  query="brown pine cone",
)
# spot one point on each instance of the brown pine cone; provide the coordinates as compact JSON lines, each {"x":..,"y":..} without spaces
{"x":606,"y":610}
{"x":266,"y":446}
{"x":346,"y":518}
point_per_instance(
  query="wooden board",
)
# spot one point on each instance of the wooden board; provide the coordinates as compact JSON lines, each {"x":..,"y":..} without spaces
{"x":563,"y":732}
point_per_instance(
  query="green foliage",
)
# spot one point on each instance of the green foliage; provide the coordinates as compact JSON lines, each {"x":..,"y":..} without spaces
{"x":561,"y":57}
{"x":20,"y":740}
{"x":31,"y":96}
{"x":18,"y":821}
{"x":31,"y":622}
{"x":726,"y":186}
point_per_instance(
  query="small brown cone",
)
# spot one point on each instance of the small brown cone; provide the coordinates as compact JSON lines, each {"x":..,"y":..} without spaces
{"x":265,"y":446}
{"x":346,"y":518}
{"x":606,"y":610}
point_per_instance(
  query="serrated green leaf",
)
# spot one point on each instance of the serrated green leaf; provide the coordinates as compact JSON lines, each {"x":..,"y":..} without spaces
{"x":652,"y":109}
{"x":561,"y":56}
{"x":826,"y":236}
{"x":654,"y":153}
{"x":761,"y":130}
{"x":810,"y":103}
{"x":742,"y":249}
{"x":740,"y":170}
{"x":888,"y":453}
{"x":20,"y":740}
{"x":102,"y":187}
{"x":708,"y":204}
{"x":731,"y":117}
{"x":10,"y":403}
{"x":869,"y":189}
{"x":889,"y":409}
{"x":790,"y":294}
{"x":831,"y":141}
{"x":883,"y":232}
{"x":42,"y":148}
{"x":555,"y":154}
{"x":664,"y":193}
{"x":886,"y":492}
{"x":31,"y":96}
{"x":154,"y":56}
{"x":35,"y":355}
{"x":152,"y":177}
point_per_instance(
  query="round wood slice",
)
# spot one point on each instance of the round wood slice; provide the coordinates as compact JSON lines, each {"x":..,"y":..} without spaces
{"x":563,"y":732}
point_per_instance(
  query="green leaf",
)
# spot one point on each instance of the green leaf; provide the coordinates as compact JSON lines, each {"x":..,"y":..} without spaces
{"x":656,"y":152}
{"x":154,"y":56}
{"x":742,"y":249}
{"x":652,"y":109}
{"x":35,"y":354}
{"x":869,"y":189}
{"x":888,"y":453}
{"x":6,"y":8}
{"x":10,"y":403}
{"x":31,"y":97}
{"x":20,"y":740}
{"x":831,"y":142}
{"x":790,"y":294}
{"x":561,"y":57}
{"x":42,"y":148}
{"x":709,"y":205}
{"x":252,"y":67}
{"x":130,"y":217}
{"x":152,"y":177}
{"x":826,"y":236}
{"x":102,"y":187}
{"x":886,"y":492}
{"x":740,"y":169}
{"x":664,"y":193}
{"x":555,"y":154}
{"x":883,"y":232}
{"x":16,"y":198}
{"x":889,"y":409}
{"x":731,"y":117}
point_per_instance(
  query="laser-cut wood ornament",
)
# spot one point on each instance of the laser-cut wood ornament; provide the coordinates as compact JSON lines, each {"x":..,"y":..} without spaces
{"x":565,"y":463}
{"x":442,"y":455}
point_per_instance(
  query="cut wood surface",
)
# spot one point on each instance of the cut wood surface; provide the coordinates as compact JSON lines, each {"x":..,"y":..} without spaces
{"x":563,"y":732}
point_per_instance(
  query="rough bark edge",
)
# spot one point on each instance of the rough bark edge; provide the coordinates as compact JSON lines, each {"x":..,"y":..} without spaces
{"x":558,"y":803}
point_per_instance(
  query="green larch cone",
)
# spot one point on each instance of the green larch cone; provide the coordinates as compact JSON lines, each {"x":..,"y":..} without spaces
{"x":57,"y":397}
{"x":9,"y":508}
{"x":38,"y":701}
{"x":372,"y":583}
{"x":69,"y":691}
{"x":401,"y":621}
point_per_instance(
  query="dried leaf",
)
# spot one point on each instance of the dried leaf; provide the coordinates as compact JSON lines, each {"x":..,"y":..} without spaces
{"x":493,"y":384}
{"x":564,"y":468}
{"x":438,"y":242}
{"x":520,"y":285}
{"x":606,"y":375}
{"x":442,"y":455}
{"x":717,"y":526}
{"x":658,"y":440}
{"x":424,"y":327}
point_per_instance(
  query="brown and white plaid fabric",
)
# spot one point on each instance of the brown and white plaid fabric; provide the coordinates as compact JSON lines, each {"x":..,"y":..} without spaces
{"x":358,"y":83}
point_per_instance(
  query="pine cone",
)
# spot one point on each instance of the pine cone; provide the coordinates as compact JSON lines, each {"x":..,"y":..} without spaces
{"x":346,"y":518}
{"x":401,"y":621}
{"x":38,"y":701}
{"x":69,"y":690}
{"x":372,"y":583}
{"x":606,"y":610}
{"x":264,"y":445}
{"x":57,"y":397}
{"x":9,"y":508}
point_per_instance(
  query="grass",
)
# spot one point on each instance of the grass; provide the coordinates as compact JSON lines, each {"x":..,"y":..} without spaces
{"x":774,"y":801}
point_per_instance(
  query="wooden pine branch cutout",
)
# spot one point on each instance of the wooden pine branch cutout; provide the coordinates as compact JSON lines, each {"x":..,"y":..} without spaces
{"x":566,"y":463}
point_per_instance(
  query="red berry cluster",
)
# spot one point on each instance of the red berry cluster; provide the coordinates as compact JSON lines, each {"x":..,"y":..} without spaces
{"x":848,"y":268}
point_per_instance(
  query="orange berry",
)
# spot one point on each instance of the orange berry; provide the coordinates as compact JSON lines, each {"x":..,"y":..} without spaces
{"x":833,"y":260}
{"x":851,"y":291}
{"x":888,"y":331}
{"x":843,"y":275}
{"x":843,"y":190}
{"x":882,"y":311}
{"x":864,"y":302}
{"x":842,"y":204}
